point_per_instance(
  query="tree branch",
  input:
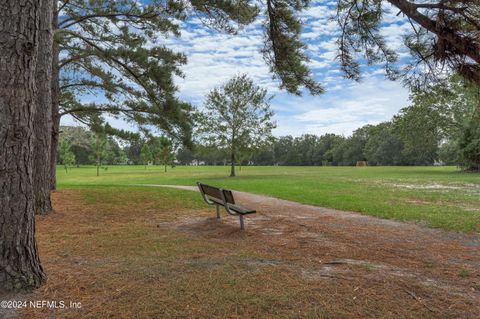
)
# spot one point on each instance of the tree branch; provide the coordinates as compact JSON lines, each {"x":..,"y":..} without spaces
{"x":64,"y":24}
{"x":74,"y":58}
{"x":101,"y":109}
{"x":115,"y":60}
{"x":65,"y":2}
{"x":463,"y":44}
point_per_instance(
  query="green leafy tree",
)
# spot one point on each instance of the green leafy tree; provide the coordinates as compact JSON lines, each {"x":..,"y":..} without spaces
{"x":236,"y":116}
{"x":133,"y":151}
{"x":325,"y":146}
{"x":210,"y":154}
{"x":307,"y":148}
{"x":353,"y":147}
{"x":66,"y":156}
{"x":146,"y":155}
{"x":448,"y":153}
{"x":185,"y":155}
{"x":384,"y":146}
{"x":438,"y":115}
{"x":283,"y":151}
{"x":114,"y":154}
{"x":79,"y":139}
{"x":121,"y":158}
{"x":265,"y":155}
{"x":99,"y":147}
{"x":338,"y":153}
{"x":469,"y":145}
{"x":419,"y":127}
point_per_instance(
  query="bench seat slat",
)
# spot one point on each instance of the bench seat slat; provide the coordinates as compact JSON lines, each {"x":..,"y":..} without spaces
{"x":241,"y":210}
{"x":217,"y":201}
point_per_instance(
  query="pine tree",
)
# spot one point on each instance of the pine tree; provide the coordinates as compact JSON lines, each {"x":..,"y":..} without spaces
{"x":146,"y":154}
{"x":114,"y":49}
{"x":444,"y":35}
{"x":20,"y":267}
{"x":162,"y":151}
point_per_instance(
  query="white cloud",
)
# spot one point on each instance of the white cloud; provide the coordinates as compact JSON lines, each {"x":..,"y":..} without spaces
{"x":370,"y":102}
{"x":215,"y":57}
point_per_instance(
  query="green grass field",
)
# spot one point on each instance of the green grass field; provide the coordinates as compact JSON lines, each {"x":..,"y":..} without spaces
{"x":440,"y":197}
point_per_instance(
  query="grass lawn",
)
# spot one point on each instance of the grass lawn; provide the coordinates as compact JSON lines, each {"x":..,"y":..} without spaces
{"x":440,"y":197}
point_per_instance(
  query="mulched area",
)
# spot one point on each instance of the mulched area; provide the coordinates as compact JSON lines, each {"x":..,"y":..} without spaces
{"x":292,"y":260}
{"x":372,"y":260}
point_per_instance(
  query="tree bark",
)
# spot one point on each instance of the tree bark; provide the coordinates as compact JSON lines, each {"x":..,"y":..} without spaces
{"x":20,"y":267}
{"x":463,"y":44}
{"x":55,"y":105}
{"x":43,"y":115}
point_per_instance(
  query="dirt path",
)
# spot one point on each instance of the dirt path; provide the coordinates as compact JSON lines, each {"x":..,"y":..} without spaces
{"x":436,"y":268}
{"x":294,"y":210}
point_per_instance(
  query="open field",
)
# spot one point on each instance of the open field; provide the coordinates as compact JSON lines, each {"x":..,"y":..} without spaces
{"x":432,"y":196}
{"x":125,"y":251}
{"x":154,"y":252}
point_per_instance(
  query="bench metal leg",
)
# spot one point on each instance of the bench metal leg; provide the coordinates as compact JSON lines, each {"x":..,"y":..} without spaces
{"x":242,"y":225}
{"x":218,"y":211}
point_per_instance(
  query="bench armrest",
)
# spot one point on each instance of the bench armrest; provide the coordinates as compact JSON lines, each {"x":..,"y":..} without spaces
{"x":209,"y":202}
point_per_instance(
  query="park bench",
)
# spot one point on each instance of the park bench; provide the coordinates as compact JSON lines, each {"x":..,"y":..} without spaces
{"x":223,"y":197}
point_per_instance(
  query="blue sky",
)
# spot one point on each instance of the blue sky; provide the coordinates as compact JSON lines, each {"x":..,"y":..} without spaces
{"x":214,"y":57}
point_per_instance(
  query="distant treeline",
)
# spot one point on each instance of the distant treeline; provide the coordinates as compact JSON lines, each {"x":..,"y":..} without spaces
{"x":381,"y":144}
{"x":377,"y":144}
{"x":440,"y":126}
{"x":81,"y":142}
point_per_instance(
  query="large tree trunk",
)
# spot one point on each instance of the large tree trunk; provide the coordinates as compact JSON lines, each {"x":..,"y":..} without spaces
{"x":43,"y":114}
{"x":20,"y":267}
{"x":55,"y":106}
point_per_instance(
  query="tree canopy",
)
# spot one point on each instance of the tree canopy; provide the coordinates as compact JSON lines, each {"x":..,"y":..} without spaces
{"x":112,"y":50}
{"x":444,"y":36}
{"x":236,"y":116}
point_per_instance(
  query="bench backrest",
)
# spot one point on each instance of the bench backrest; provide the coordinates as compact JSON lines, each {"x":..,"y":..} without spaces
{"x":216,"y":192}
{"x":228,"y":196}
{"x":211,"y":191}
